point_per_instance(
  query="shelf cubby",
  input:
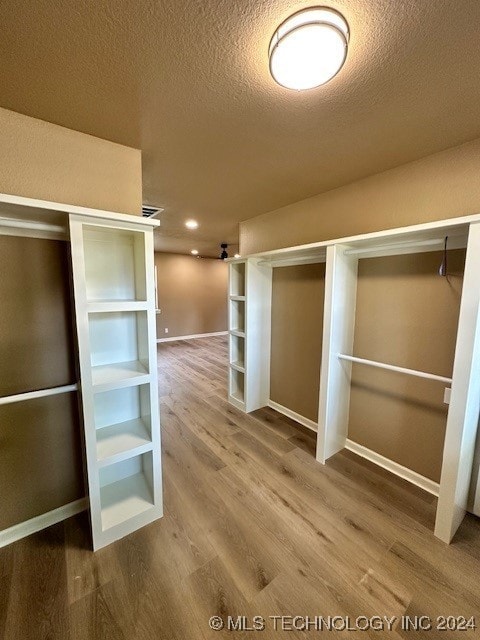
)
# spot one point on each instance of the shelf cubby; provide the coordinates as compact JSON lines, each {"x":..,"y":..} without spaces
{"x":237,"y":279}
{"x":118,"y":346}
{"x":122,"y":423}
{"x":237,"y":315}
{"x":237,"y":385}
{"x":114,"y":264}
{"x":126,"y":490}
{"x":237,"y":352}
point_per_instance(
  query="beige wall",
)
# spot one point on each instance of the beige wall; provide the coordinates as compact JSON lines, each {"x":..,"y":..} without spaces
{"x":192,"y":295}
{"x":297,"y":322}
{"x":444,"y":185}
{"x":44,"y":161}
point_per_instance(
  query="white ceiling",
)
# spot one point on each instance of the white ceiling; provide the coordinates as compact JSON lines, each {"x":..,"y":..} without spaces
{"x":187,"y":81}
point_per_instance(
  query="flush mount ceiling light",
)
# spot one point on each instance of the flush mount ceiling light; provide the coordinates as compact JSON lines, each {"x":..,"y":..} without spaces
{"x":194,"y":252}
{"x":191,"y":224}
{"x":309,"y":48}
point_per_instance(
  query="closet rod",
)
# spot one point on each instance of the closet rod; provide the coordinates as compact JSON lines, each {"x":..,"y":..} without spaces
{"x":43,"y":393}
{"x":391,"y":367}
{"x":30,"y":224}
{"x":292,"y":262}
{"x":398,"y":245}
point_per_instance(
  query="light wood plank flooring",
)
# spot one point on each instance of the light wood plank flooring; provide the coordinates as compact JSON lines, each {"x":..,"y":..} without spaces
{"x":252,"y":526}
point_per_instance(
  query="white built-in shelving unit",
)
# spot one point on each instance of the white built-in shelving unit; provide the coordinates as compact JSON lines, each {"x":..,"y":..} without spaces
{"x":236,"y":326}
{"x":342,"y":256}
{"x":115,"y":313}
{"x":249,"y":341}
{"x":114,"y":299}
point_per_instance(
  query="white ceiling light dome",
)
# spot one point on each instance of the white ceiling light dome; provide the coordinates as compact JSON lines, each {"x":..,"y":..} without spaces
{"x":309,"y":48}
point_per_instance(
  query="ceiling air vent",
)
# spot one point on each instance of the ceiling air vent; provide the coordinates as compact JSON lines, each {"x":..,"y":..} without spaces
{"x":149,"y":211}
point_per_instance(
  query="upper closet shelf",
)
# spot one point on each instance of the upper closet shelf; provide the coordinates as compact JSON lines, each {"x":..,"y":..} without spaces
{"x":43,"y":212}
{"x":414,"y":239}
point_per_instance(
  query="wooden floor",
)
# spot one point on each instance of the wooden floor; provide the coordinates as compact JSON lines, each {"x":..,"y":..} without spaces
{"x":253,"y":526}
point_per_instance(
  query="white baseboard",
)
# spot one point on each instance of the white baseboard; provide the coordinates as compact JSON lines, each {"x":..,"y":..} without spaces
{"x":193,"y":337}
{"x":24,"y":529}
{"x":306,"y":422}
{"x":397,"y":469}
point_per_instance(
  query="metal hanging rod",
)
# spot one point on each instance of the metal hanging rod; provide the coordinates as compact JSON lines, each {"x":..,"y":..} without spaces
{"x":391,"y":367}
{"x":43,"y":393}
{"x":13,"y":223}
{"x":292,"y":261}
{"x":398,"y":245}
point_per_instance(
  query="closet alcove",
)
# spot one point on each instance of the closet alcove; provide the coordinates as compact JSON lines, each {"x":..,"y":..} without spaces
{"x":400,"y":351}
{"x":40,"y":446}
{"x":78,"y":370}
{"x":298,"y":294}
{"x":407,"y":315}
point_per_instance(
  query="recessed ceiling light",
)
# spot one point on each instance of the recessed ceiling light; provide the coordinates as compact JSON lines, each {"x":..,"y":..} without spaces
{"x":237,"y":255}
{"x":194,"y":252}
{"x":309,"y":48}
{"x":191,"y":224}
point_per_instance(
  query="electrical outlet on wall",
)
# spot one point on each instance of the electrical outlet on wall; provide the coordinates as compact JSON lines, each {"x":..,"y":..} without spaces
{"x":446,"y":395}
{"x":166,"y":330}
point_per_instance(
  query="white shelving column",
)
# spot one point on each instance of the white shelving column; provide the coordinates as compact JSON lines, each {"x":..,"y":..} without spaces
{"x":113,"y":277}
{"x":236,"y":332}
{"x":338,"y":332}
{"x":464,"y":409}
{"x":249,"y":323}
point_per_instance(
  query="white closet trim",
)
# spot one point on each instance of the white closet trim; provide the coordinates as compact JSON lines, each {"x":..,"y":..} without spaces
{"x":391,"y":367}
{"x":306,"y":422}
{"x":42,"y":393}
{"x":397,"y":469}
{"x":24,"y":529}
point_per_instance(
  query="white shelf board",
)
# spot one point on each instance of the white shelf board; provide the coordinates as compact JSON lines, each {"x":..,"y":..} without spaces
{"x":238,"y":298}
{"x":238,"y":366}
{"x":116,"y":306}
{"x":235,"y":332}
{"x":125,"y":499}
{"x":120,"y":441}
{"x":110,"y":376}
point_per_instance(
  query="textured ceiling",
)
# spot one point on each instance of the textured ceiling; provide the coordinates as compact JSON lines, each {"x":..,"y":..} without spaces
{"x":187,"y":82}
